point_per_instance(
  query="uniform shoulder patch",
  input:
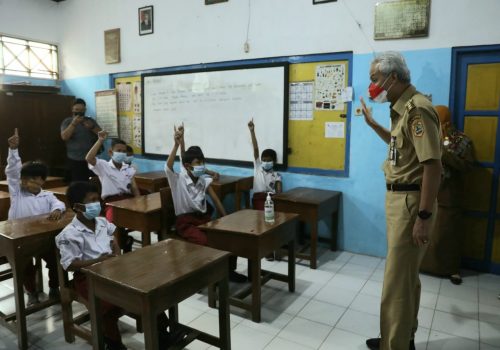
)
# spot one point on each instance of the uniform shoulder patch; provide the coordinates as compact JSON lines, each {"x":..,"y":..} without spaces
{"x":417,"y":127}
{"x":410,"y":105}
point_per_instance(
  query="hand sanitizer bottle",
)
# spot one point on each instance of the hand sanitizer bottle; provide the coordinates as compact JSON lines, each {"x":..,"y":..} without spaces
{"x":269,"y":209}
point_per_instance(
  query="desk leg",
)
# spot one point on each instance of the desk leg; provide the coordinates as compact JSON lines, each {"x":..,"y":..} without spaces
{"x":146,"y":238}
{"x":212,"y":296}
{"x":291,"y":266}
{"x":255,"y":263}
{"x":18,"y":275}
{"x":314,"y":244}
{"x":335,"y":227}
{"x":224,"y":323}
{"x":150,"y":327}
{"x":95,"y":317}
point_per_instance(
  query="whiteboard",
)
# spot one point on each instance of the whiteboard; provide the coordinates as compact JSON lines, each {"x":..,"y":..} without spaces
{"x":215,"y":107}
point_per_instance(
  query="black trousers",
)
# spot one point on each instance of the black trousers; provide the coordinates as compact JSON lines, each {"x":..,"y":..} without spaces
{"x":77,"y":170}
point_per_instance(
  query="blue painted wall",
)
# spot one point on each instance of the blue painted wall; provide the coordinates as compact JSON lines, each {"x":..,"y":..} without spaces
{"x":362,"y":220}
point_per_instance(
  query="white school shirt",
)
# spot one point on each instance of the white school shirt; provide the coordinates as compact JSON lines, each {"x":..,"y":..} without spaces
{"x":188,"y":197}
{"x":78,"y":242}
{"x":264,"y":181}
{"x":114,"y":181}
{"x":24,"y":203}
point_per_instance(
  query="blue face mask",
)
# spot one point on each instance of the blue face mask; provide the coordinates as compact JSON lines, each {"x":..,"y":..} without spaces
{"x":119,"y":157}
{"x":128,"y":159}
{"x":267,"y":165}
{"x":198,"y":170}
{"x":92,"y":210}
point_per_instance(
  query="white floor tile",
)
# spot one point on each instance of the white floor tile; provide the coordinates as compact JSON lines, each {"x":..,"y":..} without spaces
{"x":456,"y":325}
{"x":365,"y":260}
{"x":377,"y":275}
{"x":209,"y":324}
{"x":321,"y":312}
{"x":284,"y":301}
{"x":354,"y":270}
{"x":353,"y":284}
{"x":246,"y":338}
{"x":490,"y":333}
{"x":443,"y":341}
{"x":489,"y":297}
{"x":465,"y":293}
{"x":283,"y":344}
{"x":305,"y":332}
{"x":430,"y":283}
{"x":425,"y":317}
{"x":428,"y":300}
{"x":272,"y":321}
{"x":366,"y":303}
{"x":489,"y":313}
{"x":372,"y":288}
{"x":457,"y":307}
{"x":343,"y":340}
{"x":360,"y":323}
{"x":315,"y":276}
{"x":483,"y":346}
{"x":335,"y":295}
{"x":421,"y":338}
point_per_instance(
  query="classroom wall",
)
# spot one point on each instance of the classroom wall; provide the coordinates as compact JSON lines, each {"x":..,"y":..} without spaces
{"x":188,"y":32}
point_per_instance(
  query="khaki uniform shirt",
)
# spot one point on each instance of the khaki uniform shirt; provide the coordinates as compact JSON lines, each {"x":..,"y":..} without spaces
{"x":415,"y":138}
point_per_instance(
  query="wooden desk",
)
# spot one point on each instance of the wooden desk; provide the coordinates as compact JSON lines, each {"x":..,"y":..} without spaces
{"x":231,"y":184}
{"x":311,"y":204}
{"x":60,"y":193}
{"x":50,"y":182}
{"x":4,"y":205}
{"x":152,"y":181}
{"x":141,"y":213}
{"x":20,"y":240}
{"x":246,"y":234}
{"x":175,"y":270}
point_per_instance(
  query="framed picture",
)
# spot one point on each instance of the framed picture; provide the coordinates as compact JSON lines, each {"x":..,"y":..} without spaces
{"x":317,"y":2}
{"x":112,"y":45}
{"x":146,"y":20}
{"x":211,"y":2}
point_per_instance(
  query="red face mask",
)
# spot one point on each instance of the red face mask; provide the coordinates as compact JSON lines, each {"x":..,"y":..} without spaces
{"x":374,"y":90}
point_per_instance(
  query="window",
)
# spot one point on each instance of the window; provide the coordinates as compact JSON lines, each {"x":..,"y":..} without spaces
{"x":28,"y":58}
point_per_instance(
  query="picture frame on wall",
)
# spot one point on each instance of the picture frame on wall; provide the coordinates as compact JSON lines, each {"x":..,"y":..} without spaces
{"x":318,"y":2}
{"x":146,"y":20}
{"x":112,"y":46}
{"x":211,"y":2}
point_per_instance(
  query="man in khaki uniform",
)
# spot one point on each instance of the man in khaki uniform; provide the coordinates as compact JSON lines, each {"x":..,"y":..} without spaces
{"x":412,"y":172}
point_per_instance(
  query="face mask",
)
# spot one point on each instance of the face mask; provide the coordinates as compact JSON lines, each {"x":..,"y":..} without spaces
{"x":267,"y":166}
{"x":378,"y":93}
{"x":119,"y":157}
{"x":198,"y":170}
{"x":128,"y":160}
{"x":92,"y":210}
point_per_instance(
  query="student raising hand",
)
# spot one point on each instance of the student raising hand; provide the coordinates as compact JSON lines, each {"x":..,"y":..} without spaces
{"x":14,"y":140}
{"x":251,"y":126}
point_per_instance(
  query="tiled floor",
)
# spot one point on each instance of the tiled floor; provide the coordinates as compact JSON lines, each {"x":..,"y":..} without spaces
{"x":335,"y":307}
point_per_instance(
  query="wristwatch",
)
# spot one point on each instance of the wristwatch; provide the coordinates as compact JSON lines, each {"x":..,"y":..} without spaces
{"x":424,"y":214}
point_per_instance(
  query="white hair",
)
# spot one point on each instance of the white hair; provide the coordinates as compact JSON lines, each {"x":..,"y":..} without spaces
{"x":392,"y":62}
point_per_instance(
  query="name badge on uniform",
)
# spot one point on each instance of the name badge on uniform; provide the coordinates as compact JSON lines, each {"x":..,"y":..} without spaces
{"x":393,"y":152}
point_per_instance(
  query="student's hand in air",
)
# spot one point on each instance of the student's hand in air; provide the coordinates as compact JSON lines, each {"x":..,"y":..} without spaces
{"x":251,"y":126}
{"x":102,"y":135}
{"x":55,"y":215}
{"x":180,"y":129}
{"x":178,"y":135}
{"x":14,"y":140}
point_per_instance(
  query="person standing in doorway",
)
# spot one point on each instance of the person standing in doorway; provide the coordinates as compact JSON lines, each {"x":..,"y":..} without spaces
{"x":412,"y":172}
{"x":80,"y":133}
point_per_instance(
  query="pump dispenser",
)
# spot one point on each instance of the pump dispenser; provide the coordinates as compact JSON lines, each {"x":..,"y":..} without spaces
{"x":269,"y":209}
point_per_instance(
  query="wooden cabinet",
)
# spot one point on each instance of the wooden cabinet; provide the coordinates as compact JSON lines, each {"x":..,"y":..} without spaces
{"x":38,"y":117}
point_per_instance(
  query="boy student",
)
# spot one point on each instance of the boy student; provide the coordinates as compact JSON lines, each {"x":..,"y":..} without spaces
{"x":117,"y":178}
{"x":27,"y":199}
{"x":90,"y":239}
{"x":189,"y":189}
{"x":265,"y":179}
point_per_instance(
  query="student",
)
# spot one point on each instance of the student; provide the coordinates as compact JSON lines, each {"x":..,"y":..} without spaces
{"x":117,"y":178}
{"x":90,"y":239}
{"x":265,"y":179}
{"x":27,"y":199}
{"x":189,"y":190}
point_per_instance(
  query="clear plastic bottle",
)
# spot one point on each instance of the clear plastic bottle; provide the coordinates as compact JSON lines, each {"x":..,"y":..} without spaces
{"x":269,"y":209}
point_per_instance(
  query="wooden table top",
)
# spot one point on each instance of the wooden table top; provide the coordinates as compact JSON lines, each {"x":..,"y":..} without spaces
{"x":247,"y":222}
{"x":151,"y":175}
{"x":58,"y":190}
{"x":227,"y":179}
{"x":142,"y":204}
{"x":4,"y":195}
{"x":159,"y":265}
{"x":306,"y":195}
{"x":33,"y":225}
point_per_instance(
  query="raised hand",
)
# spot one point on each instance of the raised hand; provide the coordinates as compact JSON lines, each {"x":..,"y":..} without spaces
{"x":251,"y":125}
{"x":14,"y":140}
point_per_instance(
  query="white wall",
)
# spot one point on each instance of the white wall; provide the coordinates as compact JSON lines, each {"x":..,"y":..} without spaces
{"x":187,"y":31}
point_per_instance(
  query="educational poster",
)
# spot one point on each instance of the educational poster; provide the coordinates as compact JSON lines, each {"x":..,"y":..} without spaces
{"x":328,"y":86}
{"x":130,"y":111}
{"x":301,"y":100}
{"x":334,"y":130}
{"x":124,"y":96}
{"x":106,"y":111}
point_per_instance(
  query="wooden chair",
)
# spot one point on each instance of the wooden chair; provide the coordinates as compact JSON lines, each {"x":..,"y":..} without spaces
{"x":73,"y":326}
{"x":167,"y":215}
{"x":243,"y":187}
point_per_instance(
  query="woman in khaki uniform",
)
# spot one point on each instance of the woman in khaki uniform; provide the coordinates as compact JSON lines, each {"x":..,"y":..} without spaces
{"x":444,"y":252}
{"x":412,"y":172}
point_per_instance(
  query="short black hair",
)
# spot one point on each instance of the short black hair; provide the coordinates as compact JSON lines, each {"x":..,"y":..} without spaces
{"x":77,"y":191}
{"x":130,"y":149}
{"x":34,"y":169}
{"x":79,"y":101}
{"x":192,"y":153}
{"x":115,"y":142}
{"x":269,"y":153}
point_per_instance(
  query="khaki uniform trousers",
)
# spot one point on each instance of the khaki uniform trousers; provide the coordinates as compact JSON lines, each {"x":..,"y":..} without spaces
{"x":401,"y":290}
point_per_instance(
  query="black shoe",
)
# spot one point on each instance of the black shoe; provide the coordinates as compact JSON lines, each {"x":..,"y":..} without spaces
{"x":374,"y":344}
{"x":237,"y":277}
{"x":456,"y":280}
{"x":113,"y":345}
